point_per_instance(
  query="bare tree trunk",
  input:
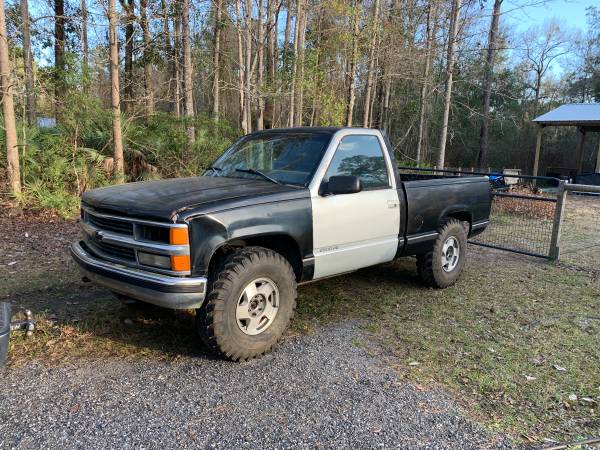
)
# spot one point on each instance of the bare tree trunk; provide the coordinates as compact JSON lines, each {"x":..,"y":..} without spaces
{"x":248,"y":68}
{"x":299,"y":108}
{"x":292,"y":115}
{"x":114,"y":93}
{"x":487,"y":84}
{"x":285,"y":55}
{"x":28,"y":57}
{"x":168,"y":53}
{"x":85,"y":48}
{"x":431,"y":13}
{"x":187,"y":69}
{"x":385,"y":101}
{"x":288,"y":28}
{"x":217,"y":58}
{"x":8,"y":109}
{"x":177,"y":62}
{"x":59,"y":54}
{"x":129,"y":7}
{"x":148,"y":90}
{"x":351,"y":96}
{"x":373,"y":95}
{"x":370,"y":76}
{"x":260,"y":120}
{"x":271,"y":61}
{"x":452,"y":35}
{"x":241,"y":70}
{"x":316,"y":79}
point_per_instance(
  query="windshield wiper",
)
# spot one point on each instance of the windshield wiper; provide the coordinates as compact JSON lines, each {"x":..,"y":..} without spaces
{"x":258,"y":172}
{"x":216,"y":169}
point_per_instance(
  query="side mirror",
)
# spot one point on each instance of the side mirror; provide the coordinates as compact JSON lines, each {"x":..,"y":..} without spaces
{"x":343,"y":184}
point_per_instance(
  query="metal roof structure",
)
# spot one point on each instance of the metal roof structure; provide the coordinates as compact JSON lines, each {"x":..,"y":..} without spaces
{"x":584,"y":115}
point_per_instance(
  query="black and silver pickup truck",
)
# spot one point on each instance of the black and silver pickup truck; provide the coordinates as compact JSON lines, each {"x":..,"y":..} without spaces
{"x":278,"y":208}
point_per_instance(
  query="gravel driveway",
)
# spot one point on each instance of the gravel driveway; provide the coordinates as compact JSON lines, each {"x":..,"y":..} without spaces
{"x":318,"y":391}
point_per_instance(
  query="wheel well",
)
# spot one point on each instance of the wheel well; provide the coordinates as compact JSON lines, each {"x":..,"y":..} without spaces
{"x":463,"y":216}
{"x":283,"y":244}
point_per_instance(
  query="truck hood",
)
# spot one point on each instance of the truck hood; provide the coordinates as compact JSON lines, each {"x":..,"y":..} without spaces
{"x":164,"y":199}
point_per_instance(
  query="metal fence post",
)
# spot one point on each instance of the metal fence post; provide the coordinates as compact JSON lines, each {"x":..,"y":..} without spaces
{"x":561,"y":199}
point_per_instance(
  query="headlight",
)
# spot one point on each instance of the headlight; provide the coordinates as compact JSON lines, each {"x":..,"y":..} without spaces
{"x":150,"y":259}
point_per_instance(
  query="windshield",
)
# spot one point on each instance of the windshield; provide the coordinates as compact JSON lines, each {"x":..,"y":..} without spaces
{"x":289,"y":158}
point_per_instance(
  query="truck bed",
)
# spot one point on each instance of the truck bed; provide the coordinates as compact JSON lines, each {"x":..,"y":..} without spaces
{"x":429,"y":198}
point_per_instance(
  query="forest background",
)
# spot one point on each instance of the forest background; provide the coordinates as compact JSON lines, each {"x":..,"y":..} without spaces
{"x":105,"y":91}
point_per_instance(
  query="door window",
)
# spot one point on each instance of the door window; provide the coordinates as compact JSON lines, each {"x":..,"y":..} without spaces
{"x":361,"y":156}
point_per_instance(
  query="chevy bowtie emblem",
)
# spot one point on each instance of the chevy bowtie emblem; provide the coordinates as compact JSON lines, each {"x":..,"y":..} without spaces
{"x":98,"y":235}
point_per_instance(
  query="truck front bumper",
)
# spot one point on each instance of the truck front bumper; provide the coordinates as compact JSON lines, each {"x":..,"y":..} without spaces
{"x":161,"y":290}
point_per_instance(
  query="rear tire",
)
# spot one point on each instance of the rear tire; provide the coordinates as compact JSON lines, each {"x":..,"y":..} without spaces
{"x":249,"y":306}
{"x":442,"y":265}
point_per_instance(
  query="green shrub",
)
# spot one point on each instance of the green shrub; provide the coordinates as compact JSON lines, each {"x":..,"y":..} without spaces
{"x":59,"y":164}
{"x":163,"y":142}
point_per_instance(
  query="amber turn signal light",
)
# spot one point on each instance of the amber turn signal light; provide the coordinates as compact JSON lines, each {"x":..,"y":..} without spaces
{"x":180,"y":263}
{"x":179,"y":236}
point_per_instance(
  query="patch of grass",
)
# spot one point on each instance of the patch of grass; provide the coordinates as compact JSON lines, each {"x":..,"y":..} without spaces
{"x":104,"y":329}
{"x":500,"y":338}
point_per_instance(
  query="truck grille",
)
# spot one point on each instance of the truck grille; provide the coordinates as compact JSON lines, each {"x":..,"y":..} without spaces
{"x":114,"y":225}
{"x":115,"y":251}
{"x":121,"y":240}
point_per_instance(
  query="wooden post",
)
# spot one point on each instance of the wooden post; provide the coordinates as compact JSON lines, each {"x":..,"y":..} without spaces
{"x":598,"y":158}
{"x":580,"y":151}
{"x":538,"y":149}
{"x":561,"y":198}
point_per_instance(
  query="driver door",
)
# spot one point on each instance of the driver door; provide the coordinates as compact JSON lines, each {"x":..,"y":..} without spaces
{"x":356,"y":230}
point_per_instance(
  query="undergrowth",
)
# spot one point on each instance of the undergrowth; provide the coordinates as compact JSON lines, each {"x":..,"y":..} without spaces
{"x":60,"y":163}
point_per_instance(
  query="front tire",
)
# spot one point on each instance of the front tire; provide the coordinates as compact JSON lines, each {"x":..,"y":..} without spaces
{"x":250,"y":305}
{"x":442,"y":265}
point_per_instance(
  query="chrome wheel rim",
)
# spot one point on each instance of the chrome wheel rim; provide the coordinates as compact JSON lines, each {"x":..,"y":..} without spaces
{"x":257,"y":306}
{"x":450,"y":254}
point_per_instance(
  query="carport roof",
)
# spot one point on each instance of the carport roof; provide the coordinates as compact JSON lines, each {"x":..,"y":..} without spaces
{"x":584,"y":115}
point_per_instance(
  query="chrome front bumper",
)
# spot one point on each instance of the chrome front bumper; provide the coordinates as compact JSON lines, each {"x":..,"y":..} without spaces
{"x":161,"y":290}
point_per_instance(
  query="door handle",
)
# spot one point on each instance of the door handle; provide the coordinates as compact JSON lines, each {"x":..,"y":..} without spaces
{"x":392,"y":204}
